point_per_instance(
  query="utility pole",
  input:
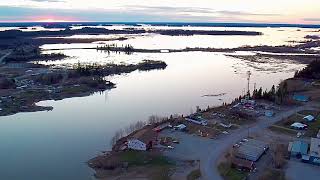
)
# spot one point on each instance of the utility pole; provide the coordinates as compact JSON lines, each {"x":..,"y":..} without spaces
{"x":248,"y":78}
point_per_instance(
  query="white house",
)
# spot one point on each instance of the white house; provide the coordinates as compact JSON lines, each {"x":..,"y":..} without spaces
{"x":142,"y":140}
{"x":309,"y":118}
{"x":298,"y":125}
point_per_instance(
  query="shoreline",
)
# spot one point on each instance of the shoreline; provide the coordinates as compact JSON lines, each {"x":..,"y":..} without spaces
{"x":24,"y":84}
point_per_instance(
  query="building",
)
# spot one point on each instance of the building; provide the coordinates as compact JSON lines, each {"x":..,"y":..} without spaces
{"x":309,"y":118}
{"x":298,"y":126}
{"x":298,"y":148}
{"x":315,"y":147}
{"x":251,"y":150}
{"x":180,"y":127}
{"x":197,"y":120}
{"x":142,"y":140}
{"x":242,"y":164}
{"x":161,"y":127}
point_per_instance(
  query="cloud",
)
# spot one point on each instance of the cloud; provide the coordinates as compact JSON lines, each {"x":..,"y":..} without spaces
{"x":128,"y":13}
{"x":193,"y":10}
{"x":312,"y":19}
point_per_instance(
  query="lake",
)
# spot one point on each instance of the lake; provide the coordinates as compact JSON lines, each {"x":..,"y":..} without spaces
{"x":57,"y":144}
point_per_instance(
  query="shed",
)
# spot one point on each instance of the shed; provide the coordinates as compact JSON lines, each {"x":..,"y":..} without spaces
{"x":309,"y":118}
{"x":301,"y":98}
{"x":299,"y":148}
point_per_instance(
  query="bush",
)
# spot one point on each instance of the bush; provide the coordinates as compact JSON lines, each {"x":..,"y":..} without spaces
{"x":48,"y":79}
{"x":6,"y":83}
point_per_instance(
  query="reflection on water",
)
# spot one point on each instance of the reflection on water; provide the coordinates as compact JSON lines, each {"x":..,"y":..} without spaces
{"x":57,"y":144}
{"x":271,"y":37}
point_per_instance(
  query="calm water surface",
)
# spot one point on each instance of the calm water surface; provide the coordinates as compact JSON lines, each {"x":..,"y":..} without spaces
{"x":56,"y":144}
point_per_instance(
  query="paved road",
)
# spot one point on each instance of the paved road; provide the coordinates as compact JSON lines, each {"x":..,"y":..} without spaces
{"x":209,"y":164}
{"x":297,"y":170}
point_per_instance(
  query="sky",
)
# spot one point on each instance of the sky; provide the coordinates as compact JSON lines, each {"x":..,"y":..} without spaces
{"x":249,"y":11}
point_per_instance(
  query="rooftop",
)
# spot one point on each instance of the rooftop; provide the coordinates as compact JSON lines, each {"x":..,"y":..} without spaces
{"x":300,"y":147}
{"x":315,"y":147}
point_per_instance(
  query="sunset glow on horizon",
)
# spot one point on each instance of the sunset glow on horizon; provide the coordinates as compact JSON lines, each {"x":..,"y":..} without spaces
{"x":256,"y":11}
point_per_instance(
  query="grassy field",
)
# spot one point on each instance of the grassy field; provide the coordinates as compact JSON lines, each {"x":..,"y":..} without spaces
{"x":156,"y":166}
{"x":229,"y":173}
{"x":137,"y":158}
{"x":194,"y":175}
{"x":273,"y":174}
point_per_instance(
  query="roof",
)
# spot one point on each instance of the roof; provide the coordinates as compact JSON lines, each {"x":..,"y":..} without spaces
{"x":298,"y":125}
{"x":301,"y":98}
{"x":242,"y":163}
{"x":181,"y":126}
{"x":145,"y":135}
{"x":309,"y":118}
{"x":300,"y":147}
{"x":315,"y":147}
{"x":251,"y":150}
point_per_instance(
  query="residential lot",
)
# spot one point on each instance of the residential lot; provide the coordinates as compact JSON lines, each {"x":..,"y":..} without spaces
{"x":284,"y":126}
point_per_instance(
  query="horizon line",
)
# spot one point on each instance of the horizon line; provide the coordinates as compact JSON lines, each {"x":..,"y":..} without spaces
{"x":159,"y":22}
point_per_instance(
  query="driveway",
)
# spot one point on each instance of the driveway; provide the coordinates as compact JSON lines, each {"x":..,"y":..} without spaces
{"x":297,"y":170}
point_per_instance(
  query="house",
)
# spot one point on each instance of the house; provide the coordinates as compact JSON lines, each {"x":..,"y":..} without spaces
{"x":298,"y":148}
{"x":314,"y":155}
{"x":242,"y":164}
{"x":180,"y":127}
{"x":298,"y":126}
{"x":300,"y":98}
{"x":309,"y":118}
{"x":251,"y":150}
{"x":142,"y":140}
{"x":197,"y":120}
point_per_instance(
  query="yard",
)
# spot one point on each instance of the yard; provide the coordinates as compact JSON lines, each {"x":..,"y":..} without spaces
{"x":133,"y":164}
{"x":284,"y":126}
{"x":229,"y":173}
